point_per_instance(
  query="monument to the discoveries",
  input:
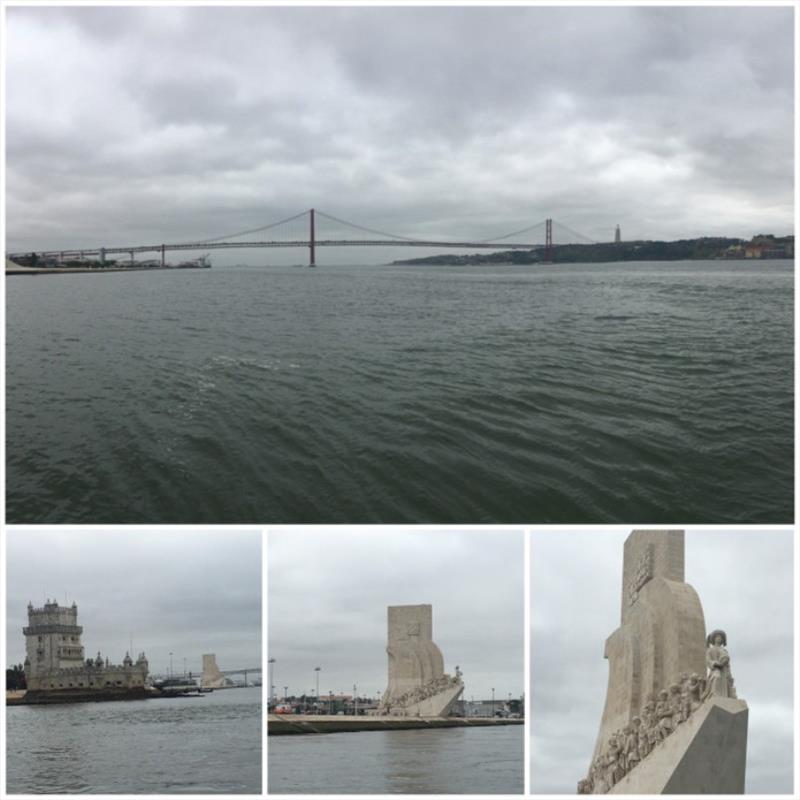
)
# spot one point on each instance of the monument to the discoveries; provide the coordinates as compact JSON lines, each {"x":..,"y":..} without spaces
{"x":672,"y":723}
{"x":418,"y":685}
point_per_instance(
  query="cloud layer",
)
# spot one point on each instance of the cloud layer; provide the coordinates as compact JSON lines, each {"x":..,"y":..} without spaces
{"x":329,"y":590}
{"x":128,"y":125}
{"x":185,"y":593}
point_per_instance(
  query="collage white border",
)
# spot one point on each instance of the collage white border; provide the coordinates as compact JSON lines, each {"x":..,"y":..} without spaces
{"x":526,"y":528}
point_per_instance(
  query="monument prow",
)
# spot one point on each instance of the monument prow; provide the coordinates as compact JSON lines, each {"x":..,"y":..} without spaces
{"x":212,"y":677}
{"x":418,"y":685}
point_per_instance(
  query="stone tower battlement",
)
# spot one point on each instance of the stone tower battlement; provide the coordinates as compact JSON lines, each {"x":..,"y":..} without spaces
{"x":52,"y":639}
{"x":54,"y":656}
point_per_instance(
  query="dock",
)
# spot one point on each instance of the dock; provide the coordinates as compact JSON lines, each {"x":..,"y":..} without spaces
{"x":293,"y":724}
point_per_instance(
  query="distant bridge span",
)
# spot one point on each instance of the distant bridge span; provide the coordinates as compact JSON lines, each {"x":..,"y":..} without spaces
{"x":312,"y":241}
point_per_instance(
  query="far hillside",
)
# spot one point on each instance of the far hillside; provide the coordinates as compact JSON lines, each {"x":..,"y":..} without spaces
{"x":707,"y":247}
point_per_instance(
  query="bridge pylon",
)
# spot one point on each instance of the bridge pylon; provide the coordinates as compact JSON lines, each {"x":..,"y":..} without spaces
{"x":548,"y":241}
{"x":311,"y":254}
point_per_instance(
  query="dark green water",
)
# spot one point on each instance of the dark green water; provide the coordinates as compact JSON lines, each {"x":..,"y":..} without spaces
{"x":650,"y":392}
{"x":184,"y":745}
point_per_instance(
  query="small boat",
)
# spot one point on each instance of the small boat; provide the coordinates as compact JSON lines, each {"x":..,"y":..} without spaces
{"x":178,"y":686}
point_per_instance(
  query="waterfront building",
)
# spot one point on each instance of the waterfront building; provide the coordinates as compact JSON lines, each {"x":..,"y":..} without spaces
{"x":55,"y":664}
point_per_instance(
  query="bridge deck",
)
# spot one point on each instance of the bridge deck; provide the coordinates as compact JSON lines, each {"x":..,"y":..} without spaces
{"x":157,"y":248}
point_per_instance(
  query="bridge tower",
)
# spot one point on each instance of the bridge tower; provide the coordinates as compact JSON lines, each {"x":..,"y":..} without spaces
{"x":311,"y":260}
{"x":548,"y":241}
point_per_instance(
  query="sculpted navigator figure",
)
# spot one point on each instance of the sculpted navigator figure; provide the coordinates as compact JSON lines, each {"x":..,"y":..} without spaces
{"x":718,"y":662}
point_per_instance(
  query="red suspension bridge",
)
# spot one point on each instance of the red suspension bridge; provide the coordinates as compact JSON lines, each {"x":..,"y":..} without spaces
{"x":304,"y":230}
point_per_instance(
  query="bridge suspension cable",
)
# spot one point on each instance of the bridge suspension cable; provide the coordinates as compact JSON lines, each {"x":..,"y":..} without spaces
{"x":579,"y":236}
{"x":515,"y":233}
{"x":367,"y":230}
{"x":255,"y":230}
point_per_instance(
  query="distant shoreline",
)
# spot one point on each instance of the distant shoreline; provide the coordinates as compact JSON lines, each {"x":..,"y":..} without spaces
{"x":762,"y":247}
{"x":16,"y":269}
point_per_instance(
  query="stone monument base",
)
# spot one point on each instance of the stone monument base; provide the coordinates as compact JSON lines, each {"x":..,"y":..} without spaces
{"x":438,"y":705}
{"x":705,"y":755}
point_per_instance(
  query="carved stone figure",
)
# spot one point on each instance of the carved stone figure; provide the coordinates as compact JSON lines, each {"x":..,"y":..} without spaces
{"x":719,"y":680}
{"x":650,"y":721}
{"x":695,"y":690}
{"x":686,"y":702}
{"x":663,"y":715}
{"x":632,"y":744}
{"x":599,"y":783}
{"x":613,"y":769}
{"x":675,"y":704}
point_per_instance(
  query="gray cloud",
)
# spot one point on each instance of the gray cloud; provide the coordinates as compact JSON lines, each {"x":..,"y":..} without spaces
{"x":182,"y":123}
{"x":745,"y":583}
{"x":328,"y":593}
{"x":187,"y":593}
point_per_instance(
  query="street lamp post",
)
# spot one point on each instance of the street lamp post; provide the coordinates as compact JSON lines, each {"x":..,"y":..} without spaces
{"x":330,"y":702}
{"x":285,"y":694}
{"x":355,"y":701}
{"x":271,"y":663}
{"x":492,"y":703}
{"x":170,"y":665}
{"x":317,"y":670}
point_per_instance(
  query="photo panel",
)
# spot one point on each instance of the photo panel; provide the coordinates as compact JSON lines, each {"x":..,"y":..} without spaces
{"x":135,"y":661}
{"x":662,"y":661}
{"x":405,"y":648}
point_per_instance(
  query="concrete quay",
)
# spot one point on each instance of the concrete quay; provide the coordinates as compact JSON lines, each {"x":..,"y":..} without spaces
{"x":294,"y":724}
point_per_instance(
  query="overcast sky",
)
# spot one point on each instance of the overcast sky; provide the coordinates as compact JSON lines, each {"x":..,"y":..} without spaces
{"x":187,"y":593}
{"x":329,"y":591}
{"x":744,"y":580}
{"x":143,"y":125}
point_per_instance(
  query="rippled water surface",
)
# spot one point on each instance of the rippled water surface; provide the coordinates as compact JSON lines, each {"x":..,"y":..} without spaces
{"x":649,"y":392}
{"x":208,"y":744}
{"x":439,"y":761}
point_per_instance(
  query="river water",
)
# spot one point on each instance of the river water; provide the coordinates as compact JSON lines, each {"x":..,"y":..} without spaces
{"x":566,"y":393}
{"x":207,"y":744}
{"x":439,"y":761}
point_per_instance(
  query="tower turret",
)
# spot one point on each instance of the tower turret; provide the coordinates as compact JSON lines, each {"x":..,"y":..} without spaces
{"x":52,"y":639}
